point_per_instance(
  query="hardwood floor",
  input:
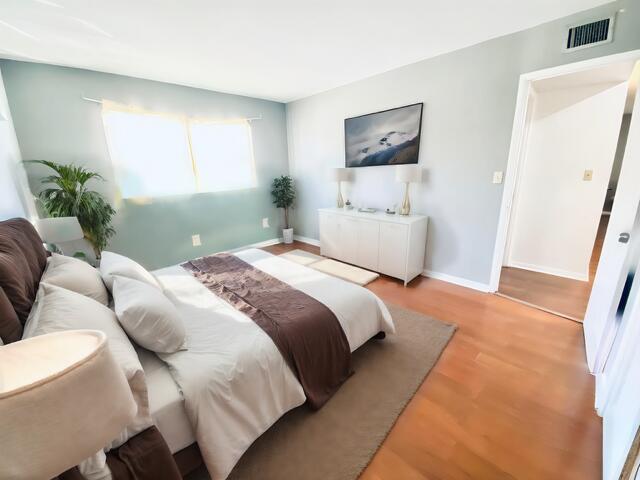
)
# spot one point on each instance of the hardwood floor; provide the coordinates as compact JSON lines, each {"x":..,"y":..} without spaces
{"x":510,"y":398}
{"x":560,"y":295}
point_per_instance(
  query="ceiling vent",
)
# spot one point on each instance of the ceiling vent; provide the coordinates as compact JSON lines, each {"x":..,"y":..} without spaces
{"x":589,"y":34}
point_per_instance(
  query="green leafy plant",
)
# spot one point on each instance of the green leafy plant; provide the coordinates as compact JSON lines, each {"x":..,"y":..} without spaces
{"x":283,"y":195}
{"x":70,"y":197}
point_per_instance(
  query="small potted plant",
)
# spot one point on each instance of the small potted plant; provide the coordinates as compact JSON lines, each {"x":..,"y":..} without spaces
{"x":283,"y":196}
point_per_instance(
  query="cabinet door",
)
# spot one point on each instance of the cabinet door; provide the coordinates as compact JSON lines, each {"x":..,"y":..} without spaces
{"x":392,"y":260}
{"x":348,"y":238}
{"x":368,"y":241}
{"x":329,"y":238}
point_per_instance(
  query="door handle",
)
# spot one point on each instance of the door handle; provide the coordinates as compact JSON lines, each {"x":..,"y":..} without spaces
{"x":624,"y":237}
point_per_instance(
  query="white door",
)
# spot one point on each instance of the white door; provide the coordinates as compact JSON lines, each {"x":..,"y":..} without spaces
{"x":393,"y":249}
{"x":601,"y":322}
{"x":328,"y":235}
{"x":619,"y":384}
{"x":368,"y":233}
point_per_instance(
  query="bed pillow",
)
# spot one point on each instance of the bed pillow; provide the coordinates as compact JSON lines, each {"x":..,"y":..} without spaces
{"x":57,"y":309}
{"x":147,"y":315}
{"x":75,"y":275}
{"x":112,"y":264}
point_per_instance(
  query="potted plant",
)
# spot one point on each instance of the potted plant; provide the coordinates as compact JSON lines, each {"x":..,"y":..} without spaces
{"x":283,"y":196}
{"x":70,"y":197}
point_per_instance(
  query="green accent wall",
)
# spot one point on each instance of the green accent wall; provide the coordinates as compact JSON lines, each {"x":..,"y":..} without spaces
{"x":53,"y":122}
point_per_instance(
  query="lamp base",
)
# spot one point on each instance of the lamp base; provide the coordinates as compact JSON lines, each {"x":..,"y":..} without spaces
{"x":405,"y":209}
{"x":340,"y":199}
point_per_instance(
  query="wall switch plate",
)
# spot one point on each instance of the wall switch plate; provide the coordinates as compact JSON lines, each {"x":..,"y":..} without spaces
{"x":588,"y":175}
{"x":265,"y":222}
{"x":195,"y":240}
{"x":497,"y":177}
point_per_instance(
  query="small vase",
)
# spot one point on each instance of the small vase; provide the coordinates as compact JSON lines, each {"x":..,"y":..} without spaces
{"x":287,"y":234}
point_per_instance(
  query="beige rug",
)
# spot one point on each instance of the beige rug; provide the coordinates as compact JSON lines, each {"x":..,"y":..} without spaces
{"x":329,"y":266}
{"x":301,"y":256}
{"x":338,"y":441}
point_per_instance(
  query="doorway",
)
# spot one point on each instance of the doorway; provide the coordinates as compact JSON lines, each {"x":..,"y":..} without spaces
{"x":570,"y":133}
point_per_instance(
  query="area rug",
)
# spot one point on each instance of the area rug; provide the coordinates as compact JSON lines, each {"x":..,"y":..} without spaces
{"x":332,"y":267}
{"x":338,"y":441}
{"x":301,"y":256}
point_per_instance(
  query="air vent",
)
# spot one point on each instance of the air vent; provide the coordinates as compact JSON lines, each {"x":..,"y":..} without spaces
{"x":589,"y":34}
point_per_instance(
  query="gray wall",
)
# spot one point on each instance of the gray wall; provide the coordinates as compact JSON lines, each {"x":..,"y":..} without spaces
{"x":469,"y":98}
{"x":52,"y":122}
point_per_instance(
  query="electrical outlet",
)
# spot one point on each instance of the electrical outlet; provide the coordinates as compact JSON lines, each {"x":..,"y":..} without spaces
{"x":497,"y":177}
{"x":587,"y":176}
{"x":195,"y":240}
{"x":265,"y":222}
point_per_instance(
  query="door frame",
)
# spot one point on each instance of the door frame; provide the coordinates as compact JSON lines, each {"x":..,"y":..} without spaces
{"x":517,"y":148}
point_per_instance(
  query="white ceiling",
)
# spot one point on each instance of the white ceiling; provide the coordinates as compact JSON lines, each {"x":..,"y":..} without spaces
{"x":277,"y":49}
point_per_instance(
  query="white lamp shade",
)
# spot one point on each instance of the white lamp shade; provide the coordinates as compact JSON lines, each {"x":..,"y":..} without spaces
{"x":340,"y":174}
{"x":59,"y":229}
{"x":408,"y":173}
{"x":62,"y":399}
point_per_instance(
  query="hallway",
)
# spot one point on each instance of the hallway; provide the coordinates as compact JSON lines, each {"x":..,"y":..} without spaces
{"x":563,"y":296}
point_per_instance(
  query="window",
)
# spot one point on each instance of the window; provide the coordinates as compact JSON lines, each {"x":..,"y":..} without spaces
{"x":224,"y":155}
{"x":158,"y":155}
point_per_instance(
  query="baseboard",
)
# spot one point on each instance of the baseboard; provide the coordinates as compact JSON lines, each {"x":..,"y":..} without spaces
{"x":550,"y":271}
{"x":310,"y":241}
{"x":264,"y":243}
{"x":463,"y":282}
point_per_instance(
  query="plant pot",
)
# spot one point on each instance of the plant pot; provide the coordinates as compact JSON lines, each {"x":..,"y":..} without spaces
{"x":287,"y":234}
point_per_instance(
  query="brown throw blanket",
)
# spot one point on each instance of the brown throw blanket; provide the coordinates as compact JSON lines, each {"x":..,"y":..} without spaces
{"x":143,"y":457}
{"x":305,"y":331}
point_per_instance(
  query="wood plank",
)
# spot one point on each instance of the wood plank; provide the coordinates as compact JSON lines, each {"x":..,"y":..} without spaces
{"x":561,"y":295}
{"x":511,"y":396}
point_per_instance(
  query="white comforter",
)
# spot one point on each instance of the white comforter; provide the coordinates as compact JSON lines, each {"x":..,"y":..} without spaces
{"x":235,"y":382}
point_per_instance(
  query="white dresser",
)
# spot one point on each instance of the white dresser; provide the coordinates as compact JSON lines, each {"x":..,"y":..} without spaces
{"x":390,"y":244}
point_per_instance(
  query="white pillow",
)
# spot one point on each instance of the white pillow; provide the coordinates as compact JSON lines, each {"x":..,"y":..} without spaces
{"x":148,"y":316}
{"x":113,"y":264}
{"x":75,"y":275}
{"x":57,"y":309}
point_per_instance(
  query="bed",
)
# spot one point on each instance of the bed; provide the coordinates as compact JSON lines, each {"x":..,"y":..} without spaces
{"x":232,"y":382}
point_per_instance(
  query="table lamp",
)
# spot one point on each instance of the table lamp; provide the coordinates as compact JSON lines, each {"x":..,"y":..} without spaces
{"x":62,"y":399}
{"x":340,"y":175}
{"x":56,"y":230}
{"x":407,"y":174}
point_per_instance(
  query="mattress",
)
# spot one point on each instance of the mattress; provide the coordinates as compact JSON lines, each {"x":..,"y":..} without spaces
{"x":166,"y":403}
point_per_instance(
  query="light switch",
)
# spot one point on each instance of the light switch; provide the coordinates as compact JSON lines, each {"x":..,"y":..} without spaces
{"x":265,"y":222}
{"x":195,"y":240}
{"x":497,"y":177}
{"x":588,"y":175}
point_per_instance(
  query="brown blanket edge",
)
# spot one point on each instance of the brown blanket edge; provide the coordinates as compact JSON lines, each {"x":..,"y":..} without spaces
{"x":305,"y":331}
{"x":145,"y":456}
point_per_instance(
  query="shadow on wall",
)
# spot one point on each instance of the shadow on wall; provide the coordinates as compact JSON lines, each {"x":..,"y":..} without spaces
{"x":562,"y":100}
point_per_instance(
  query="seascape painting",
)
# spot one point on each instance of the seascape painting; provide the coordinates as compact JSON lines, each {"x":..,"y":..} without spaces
{"x":390,"y":137}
